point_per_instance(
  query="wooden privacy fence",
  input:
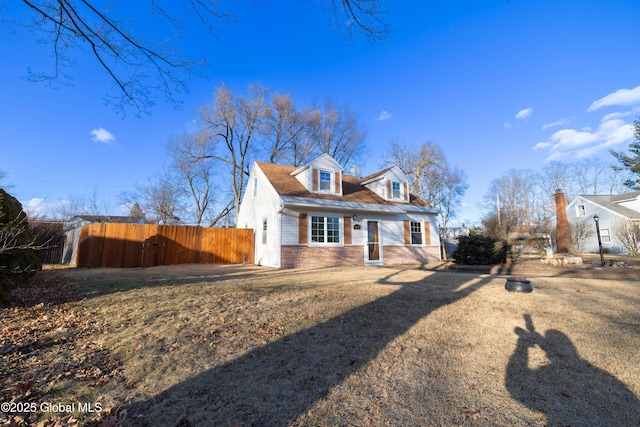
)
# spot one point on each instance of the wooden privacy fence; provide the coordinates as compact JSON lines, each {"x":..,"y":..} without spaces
{"x":148,"y":245}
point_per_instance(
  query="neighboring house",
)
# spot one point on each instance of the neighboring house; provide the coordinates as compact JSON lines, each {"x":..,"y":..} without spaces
{"x":81,"y":220}
{"x":453,"y":233}
{"x":610,"y":211}
{"x":318,"y":216}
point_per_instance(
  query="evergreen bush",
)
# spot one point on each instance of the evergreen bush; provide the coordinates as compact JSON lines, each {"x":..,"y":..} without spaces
{"x":16,"y":265}
{"x":481,"y":250}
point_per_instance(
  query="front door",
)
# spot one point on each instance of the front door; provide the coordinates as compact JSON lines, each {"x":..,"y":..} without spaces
{"x":373,"y":249}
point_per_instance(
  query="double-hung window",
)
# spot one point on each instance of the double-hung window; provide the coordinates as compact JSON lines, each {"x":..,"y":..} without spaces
{"x":325,"y":181}
{"x":606,"y":236}
{"x":581,"y":210}
{"x":416,"y":233}
{"x":395,"y":190}
{"x":325,"y":229}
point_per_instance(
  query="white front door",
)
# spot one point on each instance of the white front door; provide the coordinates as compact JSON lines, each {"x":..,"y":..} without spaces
{"x":373,"y":246}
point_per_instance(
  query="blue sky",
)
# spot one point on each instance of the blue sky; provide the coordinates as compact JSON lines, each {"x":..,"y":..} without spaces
{"x":496,"y":84}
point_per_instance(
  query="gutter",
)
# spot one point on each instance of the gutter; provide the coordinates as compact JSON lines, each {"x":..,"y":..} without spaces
{"x":305,"y":203}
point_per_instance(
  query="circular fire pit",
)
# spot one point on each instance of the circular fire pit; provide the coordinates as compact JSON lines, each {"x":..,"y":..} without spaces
{"x":518,"y":285}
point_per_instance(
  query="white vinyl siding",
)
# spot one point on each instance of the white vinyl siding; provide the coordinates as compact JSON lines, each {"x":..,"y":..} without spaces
{"x":254,"y":211}
{"x":607,"y":221}
{"x":391,"y":185}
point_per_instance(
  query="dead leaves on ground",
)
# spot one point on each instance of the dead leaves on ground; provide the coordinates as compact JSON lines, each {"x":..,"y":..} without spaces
{"x":45,"y":343}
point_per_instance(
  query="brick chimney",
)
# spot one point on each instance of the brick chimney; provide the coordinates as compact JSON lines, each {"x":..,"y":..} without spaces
{"x":563,"y":229}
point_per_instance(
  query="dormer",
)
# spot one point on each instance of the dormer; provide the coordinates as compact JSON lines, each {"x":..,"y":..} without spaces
{"x":322,"y":175}
{"x":391,"y":184}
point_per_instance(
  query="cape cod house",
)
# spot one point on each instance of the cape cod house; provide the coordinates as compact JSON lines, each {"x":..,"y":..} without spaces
{"x":317,"y":216}
{"x":610,"y":210}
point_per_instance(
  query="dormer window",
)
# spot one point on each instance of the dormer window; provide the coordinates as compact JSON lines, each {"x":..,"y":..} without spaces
{"x":321,"y":175}
{"x":325,"y":181}
{"x":395,"y":190}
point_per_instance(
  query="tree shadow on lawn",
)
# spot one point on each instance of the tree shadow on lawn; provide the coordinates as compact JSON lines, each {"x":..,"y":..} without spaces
{"x":62,"y":286}
{"x":566,"y":388}
{"x":274,"y":384}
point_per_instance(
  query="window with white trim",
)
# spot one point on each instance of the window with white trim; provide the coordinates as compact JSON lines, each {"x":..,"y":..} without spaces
{"x":325,"y":229}
{"x":395,"y":190}
{"x":416,"y":233}
{"x":581,"y":210}
{"x":605,"y":235}
{"x":325,"y":181}
{"x":255,"y":187}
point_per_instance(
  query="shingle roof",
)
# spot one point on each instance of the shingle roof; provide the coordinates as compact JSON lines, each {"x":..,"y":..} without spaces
{"x":352,"y":190}
{"x":611,"y":203}
{"x":111,"y":218}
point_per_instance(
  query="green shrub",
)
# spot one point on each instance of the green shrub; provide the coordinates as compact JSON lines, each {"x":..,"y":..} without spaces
{"x":481,"y":250}
{"x":16,"y":265}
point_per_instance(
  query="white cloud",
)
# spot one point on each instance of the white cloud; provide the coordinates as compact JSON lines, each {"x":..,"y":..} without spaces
{"x":619,"y":97}
{"x":572,"y":143}
{"x":37,"y":206}
{"x":542,"y":145}
{"x":384,"y":115}
{"x":507,"y":125}
{"x":620,"y":114}
{"x":560,"y":122}
{"x":102,"y":136}
{"x":524,"y":114}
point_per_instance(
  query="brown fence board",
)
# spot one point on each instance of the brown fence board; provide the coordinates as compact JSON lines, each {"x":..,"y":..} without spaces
{"x":146,"y":245}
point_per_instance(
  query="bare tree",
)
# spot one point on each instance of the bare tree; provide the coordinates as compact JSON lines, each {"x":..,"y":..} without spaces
{"x":627,"y":232}
{"x":512,"y":202}
{"x":337,"y":131}
{"x":558,"y":176}
{"x":195,"y":175}
{"x":75,"y":205}
{"x":161,"y":200}
{"x":454,"y":185}
{"x":138,"y":67}
{"x":589,"y":175}
{"x":285,"y":132}
{"x":433,"y":179}
{"x":581,"y":231}
{"x":231,"y":123}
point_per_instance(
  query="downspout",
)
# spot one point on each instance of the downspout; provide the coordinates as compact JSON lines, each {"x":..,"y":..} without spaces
{"x":279,"y":235}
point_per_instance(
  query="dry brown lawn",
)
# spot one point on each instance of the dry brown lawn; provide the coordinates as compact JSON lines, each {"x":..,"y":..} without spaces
{"x":251,"y":346}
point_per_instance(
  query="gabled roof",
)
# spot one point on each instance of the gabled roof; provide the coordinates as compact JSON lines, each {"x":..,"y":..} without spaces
{"x":352,"y":191}
{"x":611,"y":202}
{"x":373,"y":176}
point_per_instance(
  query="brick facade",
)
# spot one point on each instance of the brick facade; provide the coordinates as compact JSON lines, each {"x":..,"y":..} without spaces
{"x":318,"y":257}
{"x":300,"y":256}
{"x":394,"y":255}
